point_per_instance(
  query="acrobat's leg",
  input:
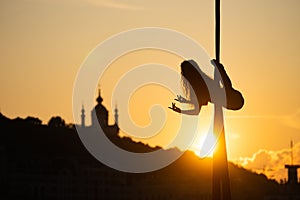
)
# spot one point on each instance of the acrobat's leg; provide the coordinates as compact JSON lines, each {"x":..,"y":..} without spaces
{"x":225,"y":78}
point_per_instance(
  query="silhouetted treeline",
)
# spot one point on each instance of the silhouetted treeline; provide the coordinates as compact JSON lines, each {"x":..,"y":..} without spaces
{"x":49,"y":162}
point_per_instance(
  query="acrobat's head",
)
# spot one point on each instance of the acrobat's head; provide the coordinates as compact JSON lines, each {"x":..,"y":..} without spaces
{"x":193,"y":83}
{"x":189,"y":69}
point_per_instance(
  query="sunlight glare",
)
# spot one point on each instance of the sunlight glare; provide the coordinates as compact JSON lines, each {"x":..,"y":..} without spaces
{"x":204,"y":146}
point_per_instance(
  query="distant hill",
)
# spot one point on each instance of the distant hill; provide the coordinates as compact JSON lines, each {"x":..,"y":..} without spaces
{"x":42,"y":162}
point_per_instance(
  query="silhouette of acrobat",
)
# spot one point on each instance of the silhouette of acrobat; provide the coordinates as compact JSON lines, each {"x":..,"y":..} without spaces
{"x":192,"y":76}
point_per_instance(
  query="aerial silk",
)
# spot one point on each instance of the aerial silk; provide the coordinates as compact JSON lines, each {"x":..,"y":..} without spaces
{"x":221,"y":184}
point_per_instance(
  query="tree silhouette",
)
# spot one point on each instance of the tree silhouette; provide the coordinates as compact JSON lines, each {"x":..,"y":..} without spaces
{"x":56,"y":122}
{"x":33,"y":120}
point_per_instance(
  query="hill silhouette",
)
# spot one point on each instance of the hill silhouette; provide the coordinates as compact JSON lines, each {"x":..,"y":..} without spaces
{"x":50,"y":162}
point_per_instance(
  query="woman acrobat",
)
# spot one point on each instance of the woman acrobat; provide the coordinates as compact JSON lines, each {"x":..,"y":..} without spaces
{"x":195,"y":84}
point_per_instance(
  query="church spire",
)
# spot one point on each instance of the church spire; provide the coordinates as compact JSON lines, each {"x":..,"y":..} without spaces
{"x":99,"y":98}
{"x":82,"y":116}
{"x":116,"y":115}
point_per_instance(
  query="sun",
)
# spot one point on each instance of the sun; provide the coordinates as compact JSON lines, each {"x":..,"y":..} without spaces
{"x":205,"y":145}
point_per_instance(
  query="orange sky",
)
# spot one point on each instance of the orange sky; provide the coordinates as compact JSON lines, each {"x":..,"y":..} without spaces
{"x":43,"y":44}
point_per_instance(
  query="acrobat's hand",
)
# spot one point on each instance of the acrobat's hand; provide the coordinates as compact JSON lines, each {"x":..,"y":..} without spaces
{"x":175,"y":108}
{"x":217,"y":64}
{"x":181,"y":99}
{"x":224,"y":77}
{"x":220,"y":68}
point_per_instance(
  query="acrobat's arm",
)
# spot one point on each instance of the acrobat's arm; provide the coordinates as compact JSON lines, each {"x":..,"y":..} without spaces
{"x":191,"y":112}
{"x":181,"y":99}
{"x":194,"y":111}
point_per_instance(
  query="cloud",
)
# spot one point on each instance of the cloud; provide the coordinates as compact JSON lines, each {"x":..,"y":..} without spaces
{"x":271,"y":163}
{"x":114,"y":5}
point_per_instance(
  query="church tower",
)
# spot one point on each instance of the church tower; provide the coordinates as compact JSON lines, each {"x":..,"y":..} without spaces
{"x":82,"y":117}
{"x":99,"y":116}
{"x":100,"y":113}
